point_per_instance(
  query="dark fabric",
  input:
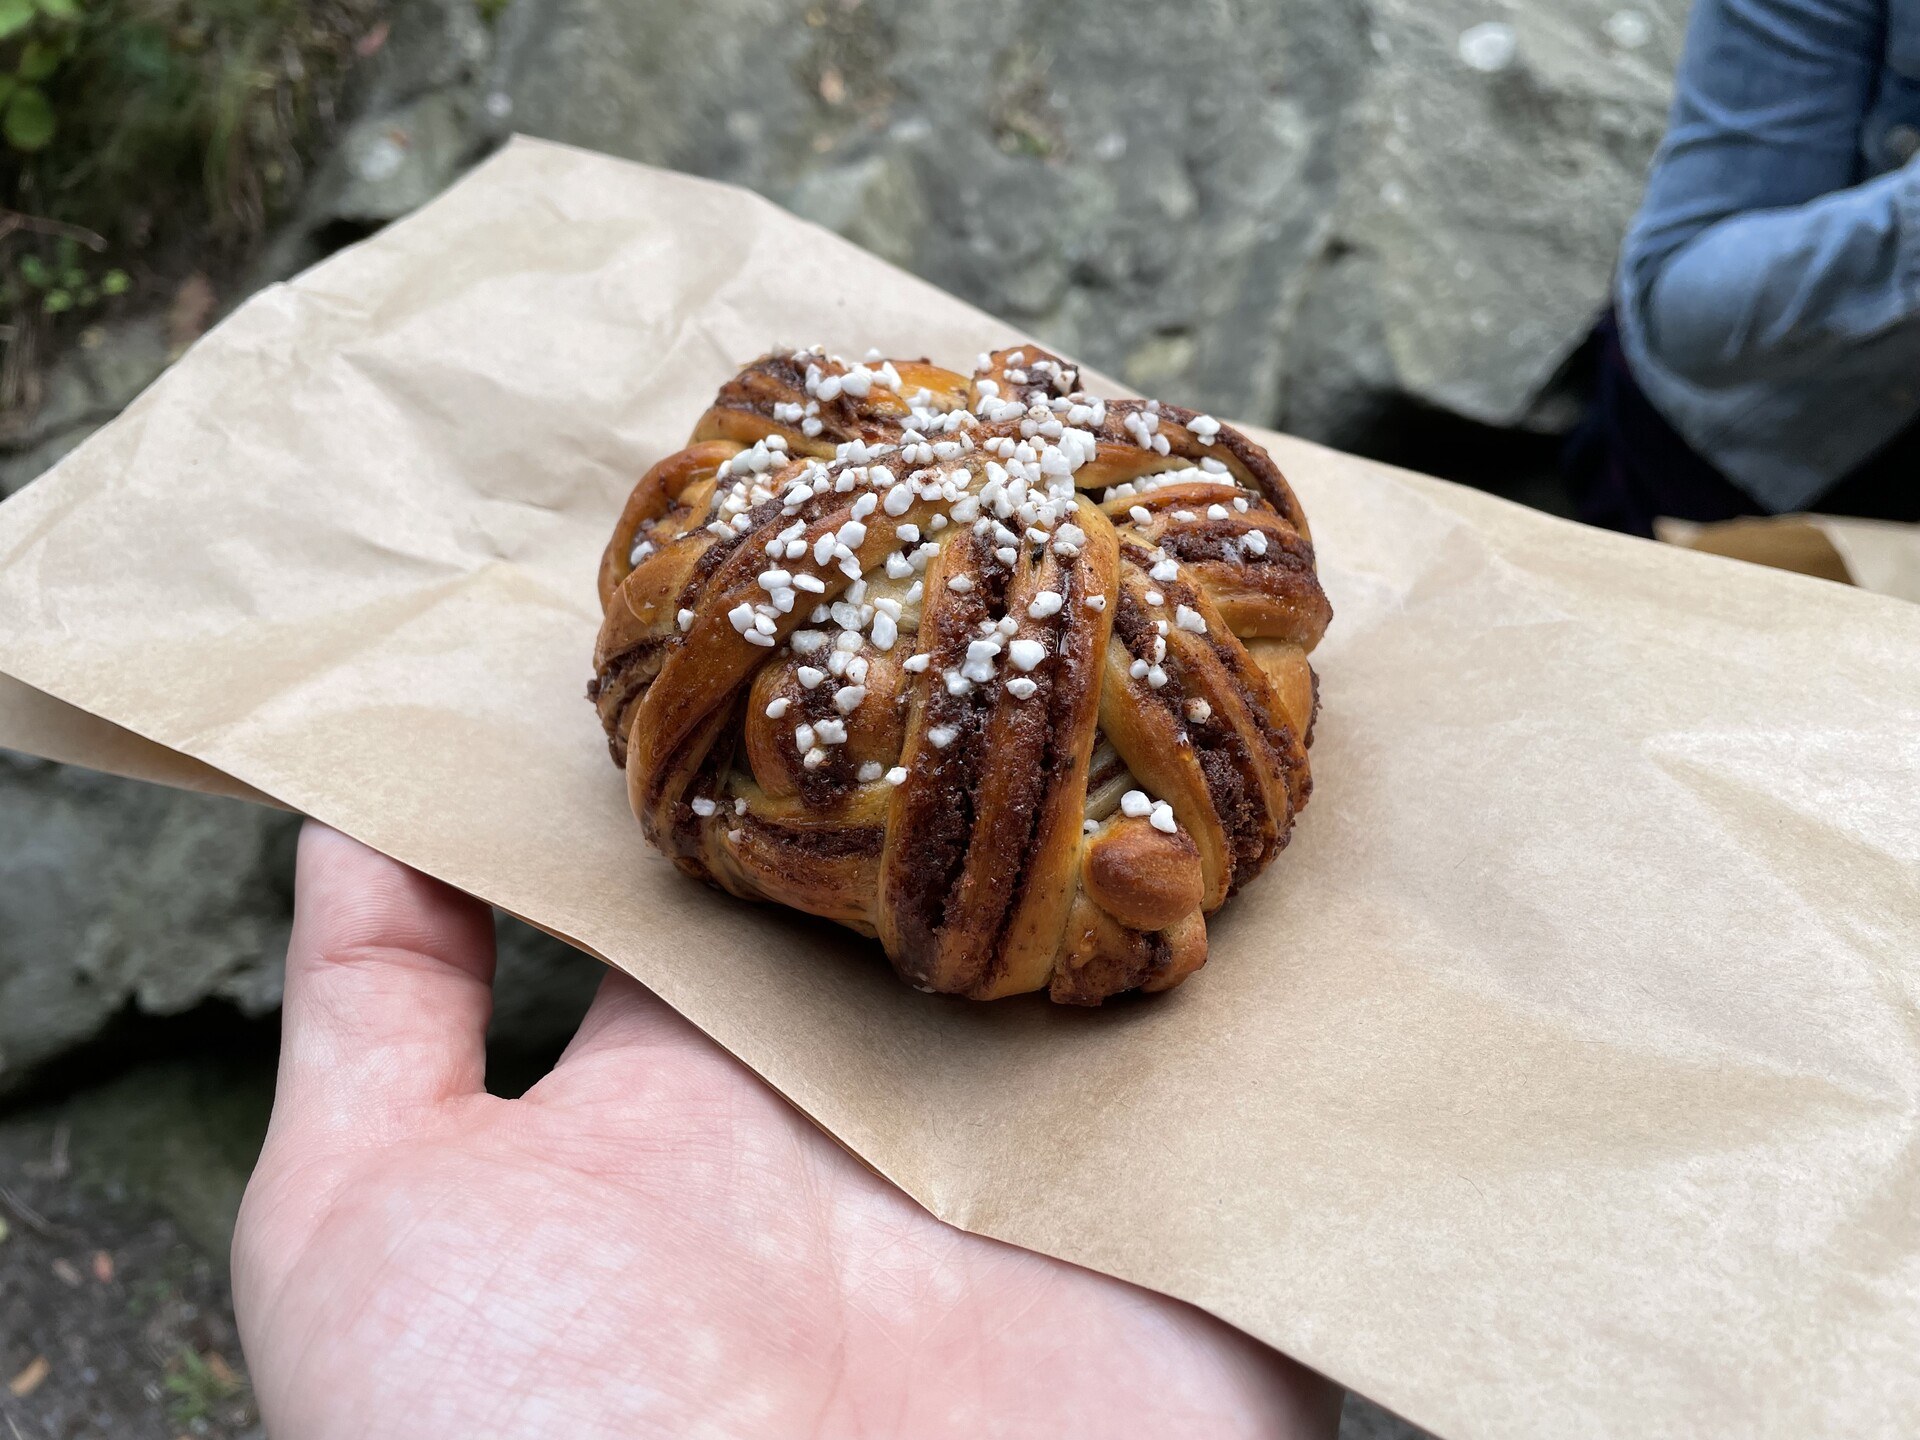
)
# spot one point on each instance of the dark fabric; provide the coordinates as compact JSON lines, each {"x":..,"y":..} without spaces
{"x":1627,"y":464}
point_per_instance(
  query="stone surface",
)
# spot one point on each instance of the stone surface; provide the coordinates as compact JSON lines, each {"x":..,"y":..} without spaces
{"x":179,"y":1135}
{"x":82,"y":390}
{"x":117,"y":896}
{"x":118,"y":899}
{"x":414,"y":122}
{"x":414,"y":125}
{"x":1143,"y":185}
{"x":541,"y":988}
{"x":1305,"y":212}
{"x":1361,"y":1419}
{"x":1484,"y":191}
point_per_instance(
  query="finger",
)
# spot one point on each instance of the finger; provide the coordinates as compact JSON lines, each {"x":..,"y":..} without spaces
{"x":625,"y":1016}
{"x":627,"y":1025}
{"x":389,"y":989}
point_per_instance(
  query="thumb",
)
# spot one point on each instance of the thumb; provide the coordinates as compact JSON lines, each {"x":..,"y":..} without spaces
{"x":389,"y":989}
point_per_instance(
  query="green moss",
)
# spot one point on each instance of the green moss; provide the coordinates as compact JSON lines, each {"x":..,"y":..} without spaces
{"x":197,"y":1385}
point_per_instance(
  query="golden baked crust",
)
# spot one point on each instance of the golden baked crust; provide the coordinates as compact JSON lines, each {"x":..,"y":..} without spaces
{"x":1010,"y":677}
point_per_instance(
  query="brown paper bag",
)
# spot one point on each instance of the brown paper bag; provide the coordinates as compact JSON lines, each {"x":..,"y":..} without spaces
{"x":1562,"y":1078}
{"x":1880,"y":555}
{"x":1877,"y":555}
{"x":1786,"y":542}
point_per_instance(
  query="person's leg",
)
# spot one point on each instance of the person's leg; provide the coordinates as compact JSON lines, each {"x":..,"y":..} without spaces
{"x":1632,"y":465}
{"x":1887,"y":487}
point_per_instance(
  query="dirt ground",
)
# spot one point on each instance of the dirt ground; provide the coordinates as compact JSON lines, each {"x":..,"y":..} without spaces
{"x":114,"y":1325}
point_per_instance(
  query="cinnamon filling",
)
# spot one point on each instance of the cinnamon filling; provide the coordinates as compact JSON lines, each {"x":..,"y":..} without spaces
{"x":818,"y":842}
{"x":1225,"y":764}
{"x":941,"y":813}
{"x":1061,"y":688}
{"x":619,"y":687}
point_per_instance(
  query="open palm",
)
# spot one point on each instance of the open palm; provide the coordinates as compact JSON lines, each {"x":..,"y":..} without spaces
{"x":649,"y":1242}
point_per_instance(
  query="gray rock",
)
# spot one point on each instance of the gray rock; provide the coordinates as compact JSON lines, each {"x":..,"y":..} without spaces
{"x":180,"y":1135}
{"x":414,"y":123}
{"x":119,"y":896}
{"x":1305,"y":211}
{"x":1142,"y":185}
{"x":541,"y":988}
{"x":1487,"y":175}
{"x":396,"y":160}
{"x":1361,"y":1419}
{"x":86,"y":387}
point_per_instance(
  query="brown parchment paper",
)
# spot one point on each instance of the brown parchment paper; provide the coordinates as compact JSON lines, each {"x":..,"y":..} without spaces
{"x":38,"y":724}
{"x":1878,"y":555}
{"x":1881,"y":556}
{"x":1560,"y":1079}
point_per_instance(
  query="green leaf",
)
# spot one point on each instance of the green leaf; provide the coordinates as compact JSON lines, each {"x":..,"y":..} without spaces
{"x":59,"y":9}
{"x":90,"y":296}
{"x":29,"y":119}
{"x":37,"y":61}
{"x":73,"y":278}
{"x":6,"y":90}
{"x":115,"y":282}
{"x":56,"y":301}
{"x":15,"y":16}
{"x":33,"y":270}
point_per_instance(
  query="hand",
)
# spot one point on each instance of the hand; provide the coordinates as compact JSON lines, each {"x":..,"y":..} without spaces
{"x":649,"y":1243}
